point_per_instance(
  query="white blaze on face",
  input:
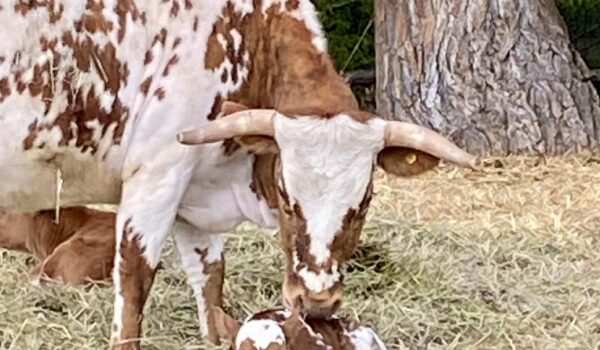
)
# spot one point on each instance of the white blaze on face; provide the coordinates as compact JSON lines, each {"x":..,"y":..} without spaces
{"x":261,"y":333}
{"x":327,"y":165}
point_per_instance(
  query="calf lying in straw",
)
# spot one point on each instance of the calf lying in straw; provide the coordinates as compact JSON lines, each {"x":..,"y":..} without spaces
{"x":79,"y":249}
{"x":280,"y":329}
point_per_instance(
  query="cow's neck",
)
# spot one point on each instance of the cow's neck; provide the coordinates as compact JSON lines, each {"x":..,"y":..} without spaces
{"x":290,"y":73}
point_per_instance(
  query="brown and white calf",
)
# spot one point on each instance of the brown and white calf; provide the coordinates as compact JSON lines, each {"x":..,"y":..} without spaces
{"x":77,"y":250}
{"x":95,"y":91}
{"x":280,"y":329}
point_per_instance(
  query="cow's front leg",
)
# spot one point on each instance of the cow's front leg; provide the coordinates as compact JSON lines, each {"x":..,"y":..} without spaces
{"x":146,"y":214}
{"x":202,"y":258}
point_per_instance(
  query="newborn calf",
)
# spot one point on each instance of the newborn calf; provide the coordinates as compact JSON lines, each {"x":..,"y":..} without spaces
{"x":281,"y":329}
{"x":77,"y":250}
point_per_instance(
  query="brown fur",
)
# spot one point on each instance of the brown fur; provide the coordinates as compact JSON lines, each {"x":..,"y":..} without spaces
{"x":78,"y":250}
{"x":136,"y":279}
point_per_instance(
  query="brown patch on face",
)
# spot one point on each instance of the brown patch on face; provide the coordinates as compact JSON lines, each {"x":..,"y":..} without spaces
{"x":2,"y":59}
{"x":136,"y":278}
{"x":188,"y":5}
{"x":94,"y":21}
{"x":347,"y":239}
{"x":123,"y":9}
{"x":213,"y":290}
{"x":172,"y":62}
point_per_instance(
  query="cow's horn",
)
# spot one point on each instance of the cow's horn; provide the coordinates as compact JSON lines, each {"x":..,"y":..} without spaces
{"x":401,"y":134}
{"x":257,"y":122}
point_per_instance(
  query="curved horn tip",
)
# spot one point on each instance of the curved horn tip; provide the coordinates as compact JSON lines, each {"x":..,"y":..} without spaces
{"x":180,"y":137}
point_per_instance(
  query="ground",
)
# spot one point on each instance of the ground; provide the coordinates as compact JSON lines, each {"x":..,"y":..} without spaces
{"x":507,"y":257}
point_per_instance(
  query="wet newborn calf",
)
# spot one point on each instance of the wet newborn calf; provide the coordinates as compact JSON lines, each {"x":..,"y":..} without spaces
{"x":281,"y":329}
{"x":77,"y":250}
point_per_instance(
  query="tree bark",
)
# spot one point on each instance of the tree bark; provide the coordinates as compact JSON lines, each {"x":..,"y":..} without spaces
{"x":495,"y":76}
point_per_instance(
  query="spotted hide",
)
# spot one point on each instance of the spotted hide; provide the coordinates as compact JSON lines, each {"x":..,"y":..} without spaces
{"x":94,"y":93}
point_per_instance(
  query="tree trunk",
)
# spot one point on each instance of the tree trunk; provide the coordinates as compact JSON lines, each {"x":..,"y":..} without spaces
{"x":496,"y":77}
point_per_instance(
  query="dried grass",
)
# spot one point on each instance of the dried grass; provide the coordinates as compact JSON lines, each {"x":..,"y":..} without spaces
{"x":499,"y":259}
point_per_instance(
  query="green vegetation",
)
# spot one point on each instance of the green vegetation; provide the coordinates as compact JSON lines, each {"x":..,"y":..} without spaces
{"x":583,"y":19}
{"x":346,"y":21}
{"x":348,"y":24}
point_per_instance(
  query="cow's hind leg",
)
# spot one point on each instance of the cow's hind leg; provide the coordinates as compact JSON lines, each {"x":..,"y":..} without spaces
{"x":203,"y":261}
{"x":146,"y":214}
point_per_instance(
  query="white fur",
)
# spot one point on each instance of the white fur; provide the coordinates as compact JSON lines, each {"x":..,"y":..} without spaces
{"x":327,"y":174}
{"x":363,"y":338}
{"x":261,"y":333}
{"x":320,"y":281}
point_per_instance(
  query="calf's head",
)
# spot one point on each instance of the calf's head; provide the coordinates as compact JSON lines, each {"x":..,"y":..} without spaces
{"x":323,"y":177}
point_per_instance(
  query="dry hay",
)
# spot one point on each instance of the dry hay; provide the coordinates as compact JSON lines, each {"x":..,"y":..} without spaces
{"x":503,"y":258}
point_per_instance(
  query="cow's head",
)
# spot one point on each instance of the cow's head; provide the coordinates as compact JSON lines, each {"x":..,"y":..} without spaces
{"x":324,"y":183}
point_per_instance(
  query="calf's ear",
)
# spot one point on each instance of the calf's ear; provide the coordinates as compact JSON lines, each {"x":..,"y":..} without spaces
{"x":405,"y":162}
{"x":226,"y":327}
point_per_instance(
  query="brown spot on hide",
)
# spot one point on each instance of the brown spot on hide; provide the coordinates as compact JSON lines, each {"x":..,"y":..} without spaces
{"x":4,"y":89}
{"x":172,"y":62}
{"x":148,"y":57}
{"x":216,"y":107}
{"x":176,"y":43}
{"x":94,"y":19}
{"x":136,"y":278}
{"x":124,"y":9}
{"x":188,"y":5}
{"x":263,"y":178}
{"x":215,"y":52}
{"x":224,"y":76}
{"x":195,"y":25}
{"x":160,"y":93}
{"x":145,"y":86}
{"x":161,"y":37}
{"x":55,"y":10}
{"x":175,"y":9}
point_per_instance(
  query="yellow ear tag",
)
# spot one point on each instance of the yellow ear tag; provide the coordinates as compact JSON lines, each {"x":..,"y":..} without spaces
{"x":411,"y":158}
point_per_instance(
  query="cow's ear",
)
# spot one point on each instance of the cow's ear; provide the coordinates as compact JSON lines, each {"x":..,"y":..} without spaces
{"x":229,"y":107}
{"x":227,"y":328}
{"x":255,"y":144}
{"x":405,"y":162}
